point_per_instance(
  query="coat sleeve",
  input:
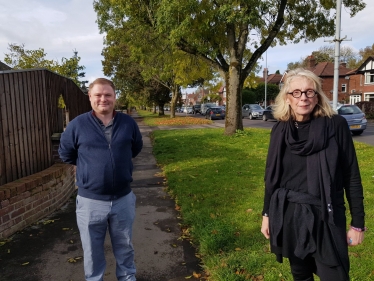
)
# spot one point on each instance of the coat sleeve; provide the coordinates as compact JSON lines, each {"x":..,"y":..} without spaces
{"x":351,"y":173}
{"x":68,"y":149}
{"x":137,"y":141}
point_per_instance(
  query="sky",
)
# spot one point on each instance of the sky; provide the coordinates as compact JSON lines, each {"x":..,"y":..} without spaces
{"x":61,"y":27}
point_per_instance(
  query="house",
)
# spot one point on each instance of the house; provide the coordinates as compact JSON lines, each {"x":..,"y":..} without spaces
{"x":325,"y":70}
{"x":271,"y":78}
{"x":3,"y":67}
{"x":361,"y":82}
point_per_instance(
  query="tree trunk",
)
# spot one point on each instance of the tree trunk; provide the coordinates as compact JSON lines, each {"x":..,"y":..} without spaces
{"x":174,"y":99}
{"x":154,"y":108}
{"x":161,"y":111}
{"x":234,"y":101}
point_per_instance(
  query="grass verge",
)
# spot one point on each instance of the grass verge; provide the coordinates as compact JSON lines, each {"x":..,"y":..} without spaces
{"x":217,"y":184}
{"x":153,"y":119}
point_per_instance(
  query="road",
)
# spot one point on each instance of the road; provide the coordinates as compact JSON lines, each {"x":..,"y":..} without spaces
{"x":366,"y":137}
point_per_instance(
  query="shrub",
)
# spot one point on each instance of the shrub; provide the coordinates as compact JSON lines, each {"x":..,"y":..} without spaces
{"x":367,"y":107}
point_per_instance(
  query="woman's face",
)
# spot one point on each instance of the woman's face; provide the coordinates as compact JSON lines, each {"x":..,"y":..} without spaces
{"x":302,"y":106}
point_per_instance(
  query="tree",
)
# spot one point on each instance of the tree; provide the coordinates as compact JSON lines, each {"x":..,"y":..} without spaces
{"x":221,"y":34}
{"x":218,"y":31}
{"x":363,"y":54}
{"x":70,"y":68}
{"x":327,"y":54}
{"x":271,"y":92}
{"x":21,"y":58}
{"x":157,"y":58}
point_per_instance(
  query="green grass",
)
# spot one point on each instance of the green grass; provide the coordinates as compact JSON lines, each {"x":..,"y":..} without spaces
{"x":217,"y":182}
{"x":153,"y":119}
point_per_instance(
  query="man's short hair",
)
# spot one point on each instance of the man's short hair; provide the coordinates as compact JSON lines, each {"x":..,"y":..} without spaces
{"x":102,"y":81}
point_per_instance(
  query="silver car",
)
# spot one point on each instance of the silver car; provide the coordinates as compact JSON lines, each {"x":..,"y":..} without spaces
{"x":252,"y":111}
{"x":355,"y":117}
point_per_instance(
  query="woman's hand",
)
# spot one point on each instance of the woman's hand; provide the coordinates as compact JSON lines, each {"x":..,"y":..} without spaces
{"x":265,"y":227}
{"x":354,"y":237}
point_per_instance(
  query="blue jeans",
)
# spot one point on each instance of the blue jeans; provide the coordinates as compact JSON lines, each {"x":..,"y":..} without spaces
{"x":94,"y":217}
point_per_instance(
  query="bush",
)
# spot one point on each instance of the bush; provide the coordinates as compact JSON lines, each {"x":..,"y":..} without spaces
{"x":367,"y":107}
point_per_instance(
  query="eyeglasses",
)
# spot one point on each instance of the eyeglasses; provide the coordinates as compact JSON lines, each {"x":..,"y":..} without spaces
{"x":308,"y":93}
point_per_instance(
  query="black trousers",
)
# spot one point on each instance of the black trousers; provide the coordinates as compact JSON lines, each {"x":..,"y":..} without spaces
{"x":302,"y":270}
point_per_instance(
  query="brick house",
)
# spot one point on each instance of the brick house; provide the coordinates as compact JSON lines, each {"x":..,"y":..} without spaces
{"x":361,"y":82}
{"x":271,"y":78}
{"x":325,"y":70}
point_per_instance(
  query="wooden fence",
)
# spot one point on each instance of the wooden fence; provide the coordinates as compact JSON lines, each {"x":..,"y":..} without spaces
{"x":30,"y":116}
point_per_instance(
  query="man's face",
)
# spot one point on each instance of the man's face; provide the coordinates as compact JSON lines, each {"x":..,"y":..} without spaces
{"x":102,"y":98}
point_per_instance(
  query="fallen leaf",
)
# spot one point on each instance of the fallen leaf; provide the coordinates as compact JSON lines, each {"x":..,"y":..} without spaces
{"x":196,"y":275}
{"x":188,"y":277}
{"x":25,"y":263}
{"x":238,"y":249}
{"x":66,"y":228}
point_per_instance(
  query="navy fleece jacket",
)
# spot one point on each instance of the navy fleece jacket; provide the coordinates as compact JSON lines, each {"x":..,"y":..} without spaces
{"x":104,"y":170}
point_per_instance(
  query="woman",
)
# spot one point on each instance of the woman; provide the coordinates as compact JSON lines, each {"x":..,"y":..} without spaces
{"x":311,"y":163}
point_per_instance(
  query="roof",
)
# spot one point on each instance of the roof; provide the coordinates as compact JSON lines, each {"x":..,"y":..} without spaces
{"x":3,"y":66}
{"x":325,"y":69}
{"x":360,"y":68}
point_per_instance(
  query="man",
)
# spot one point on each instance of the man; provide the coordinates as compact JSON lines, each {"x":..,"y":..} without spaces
{"x":101,"y":144}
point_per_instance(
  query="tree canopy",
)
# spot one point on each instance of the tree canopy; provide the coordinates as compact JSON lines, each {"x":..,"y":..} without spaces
{"x":21,"y":58}
{"x":327,"y":54}
{"x":220,"y":31}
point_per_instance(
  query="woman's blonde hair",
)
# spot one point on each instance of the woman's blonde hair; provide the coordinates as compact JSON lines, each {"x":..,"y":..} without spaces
{"x":282,"y":110}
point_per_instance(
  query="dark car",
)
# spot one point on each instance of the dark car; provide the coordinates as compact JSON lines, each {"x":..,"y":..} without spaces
{"x":355,"y":117}
{"x":215,"y":113}
{"x":268,"y":113}
{"x":196,"y":109}
{"x":252,"y":111}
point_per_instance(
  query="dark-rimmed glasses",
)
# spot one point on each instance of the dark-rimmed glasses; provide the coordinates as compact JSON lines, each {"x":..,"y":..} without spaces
{"x":308,"y":93}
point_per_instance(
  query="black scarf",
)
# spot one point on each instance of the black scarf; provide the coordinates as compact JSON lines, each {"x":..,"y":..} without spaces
{"x":321,"y":162}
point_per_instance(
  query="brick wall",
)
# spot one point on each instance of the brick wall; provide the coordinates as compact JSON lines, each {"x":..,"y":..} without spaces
{"x":25,"y":201}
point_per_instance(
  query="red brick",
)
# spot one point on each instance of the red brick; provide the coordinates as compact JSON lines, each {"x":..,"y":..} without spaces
{"x":21,"y":188}
{"x":17,"y":212}
{"x":37,"y":189}
{"x":6,"y":225}
{"x":4,"y":203}
{"x":6,"y":210}
{"x":5,"y":219}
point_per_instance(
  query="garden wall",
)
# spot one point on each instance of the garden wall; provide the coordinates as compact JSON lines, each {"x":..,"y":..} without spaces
{"x":25,"y":201}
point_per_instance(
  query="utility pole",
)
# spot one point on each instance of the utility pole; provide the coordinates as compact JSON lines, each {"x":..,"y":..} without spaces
{"x":337,"y":41}
{"x":266,"y":76}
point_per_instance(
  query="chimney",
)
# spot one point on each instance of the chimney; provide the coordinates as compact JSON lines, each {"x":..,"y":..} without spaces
{"x":265,"y":73}
{"x":311,"y":61}
{"x":343,"y":64}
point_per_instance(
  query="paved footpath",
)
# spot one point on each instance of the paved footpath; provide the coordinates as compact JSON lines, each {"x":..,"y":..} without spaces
{"x":51,"y":249}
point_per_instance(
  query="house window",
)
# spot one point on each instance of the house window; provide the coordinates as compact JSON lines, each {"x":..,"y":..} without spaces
{"x":344,"y":88}
{"x":369,"y":78}
{"x":369,"y":96}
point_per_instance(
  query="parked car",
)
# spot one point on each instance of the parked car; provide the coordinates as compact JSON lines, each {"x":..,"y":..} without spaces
{"x":355,"y":117}
{"x":268,"y":113}
{"x":215,"y":112}
{"x":187,"y":109}
{"x":196,"y":109}
{"x":252,"y":111}
{"x":206,"y":106}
